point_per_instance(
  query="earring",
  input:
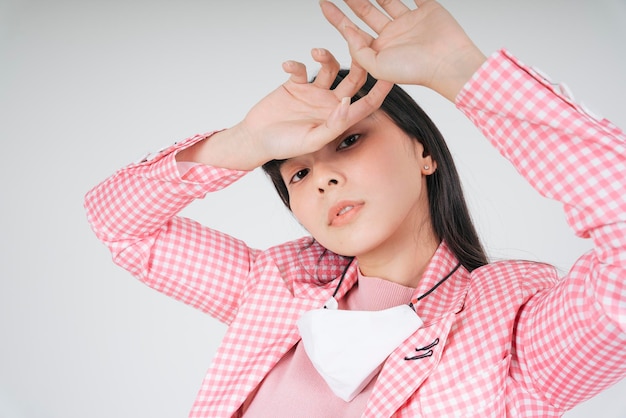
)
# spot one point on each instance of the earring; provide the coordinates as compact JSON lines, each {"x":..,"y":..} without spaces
{"x":426,"y":167}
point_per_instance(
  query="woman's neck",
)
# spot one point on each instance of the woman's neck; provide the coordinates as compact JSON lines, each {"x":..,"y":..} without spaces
{"x":404,"y":261}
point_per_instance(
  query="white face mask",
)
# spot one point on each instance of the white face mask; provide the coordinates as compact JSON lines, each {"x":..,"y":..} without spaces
{"x":348,"y":348}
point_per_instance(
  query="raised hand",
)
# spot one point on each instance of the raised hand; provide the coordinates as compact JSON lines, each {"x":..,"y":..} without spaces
{"x":295,"y":119}
{"x":301,"y":117}
{"x":423,"y":46}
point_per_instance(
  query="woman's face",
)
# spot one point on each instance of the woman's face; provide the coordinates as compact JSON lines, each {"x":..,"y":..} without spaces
{"x":364,"y":192}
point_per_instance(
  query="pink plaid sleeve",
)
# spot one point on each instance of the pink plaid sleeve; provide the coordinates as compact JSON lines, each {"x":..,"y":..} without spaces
{"x":569,"y":340}
{"x":134,"y":212}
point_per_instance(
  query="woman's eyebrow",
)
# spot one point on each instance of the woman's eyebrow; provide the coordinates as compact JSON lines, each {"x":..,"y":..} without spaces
{"x":284,"y":164}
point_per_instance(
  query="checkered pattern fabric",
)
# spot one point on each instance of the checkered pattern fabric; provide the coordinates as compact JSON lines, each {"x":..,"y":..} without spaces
{"x":513,"y":338}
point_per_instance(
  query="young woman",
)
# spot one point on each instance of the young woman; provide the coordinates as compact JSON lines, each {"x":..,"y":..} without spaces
{"x":390,"y":308}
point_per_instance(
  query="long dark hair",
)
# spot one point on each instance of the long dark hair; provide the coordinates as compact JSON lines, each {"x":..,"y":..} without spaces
{"x":449,"y":214}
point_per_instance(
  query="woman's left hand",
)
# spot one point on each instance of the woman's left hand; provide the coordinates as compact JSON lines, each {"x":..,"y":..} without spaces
{"x":296,"y":118}
{"x":423,"y":46}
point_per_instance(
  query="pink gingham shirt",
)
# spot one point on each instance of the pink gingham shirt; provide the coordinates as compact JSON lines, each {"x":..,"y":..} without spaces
{"x":513,"y":339}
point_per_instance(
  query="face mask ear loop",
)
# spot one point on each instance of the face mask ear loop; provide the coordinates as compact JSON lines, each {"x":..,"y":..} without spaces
{"x":343,"y":276}
{"x":411,"y":305}
{"x":432,"y":289}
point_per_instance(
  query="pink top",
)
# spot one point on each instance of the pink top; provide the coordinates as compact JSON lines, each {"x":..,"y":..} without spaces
{"x":280,"y":394}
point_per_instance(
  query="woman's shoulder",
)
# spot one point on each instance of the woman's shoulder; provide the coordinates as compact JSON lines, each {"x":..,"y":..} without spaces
{"x":522,"y":277}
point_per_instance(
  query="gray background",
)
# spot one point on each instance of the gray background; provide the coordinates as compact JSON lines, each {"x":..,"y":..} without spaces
{"x":89,"y":86}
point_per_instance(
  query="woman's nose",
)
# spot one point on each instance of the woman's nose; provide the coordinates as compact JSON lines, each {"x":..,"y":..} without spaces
{"x":330,"y":181}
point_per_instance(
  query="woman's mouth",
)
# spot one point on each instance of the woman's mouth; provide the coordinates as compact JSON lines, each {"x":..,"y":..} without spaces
{"x":343,"y":212}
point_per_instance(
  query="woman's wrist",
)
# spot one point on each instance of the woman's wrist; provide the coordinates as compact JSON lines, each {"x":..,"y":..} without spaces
{"x":229,"y":148}
{"x":457,"y":72}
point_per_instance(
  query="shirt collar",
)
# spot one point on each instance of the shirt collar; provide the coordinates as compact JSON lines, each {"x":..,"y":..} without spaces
{"x":450,"y":295}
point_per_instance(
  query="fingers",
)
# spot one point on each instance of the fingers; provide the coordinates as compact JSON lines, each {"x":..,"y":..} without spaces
{"x":327,"y":74}
{"x":340,"y":21}
{"x":330,"y":67}
{"x":297,"y":71}
{"x":358,"y":41}
{"x":369,"y":14}
{"x":394,"y":8}
{"x":338,"y":119}
{"x":332,"y":13}
{"x":369,"y":103}
{"x":345,"y":114}
{"x":351,"y":83}
{"x":360,"y":51}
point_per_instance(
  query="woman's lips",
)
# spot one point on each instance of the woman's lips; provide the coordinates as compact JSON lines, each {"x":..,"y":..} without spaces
{"x":343,"y":212}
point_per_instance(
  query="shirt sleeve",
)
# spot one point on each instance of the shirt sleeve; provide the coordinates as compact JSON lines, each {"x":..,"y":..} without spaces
{"x":569,"y":340}
{"x":134,"y":213}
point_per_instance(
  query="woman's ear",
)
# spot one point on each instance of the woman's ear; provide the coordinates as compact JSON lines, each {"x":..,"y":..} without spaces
{"x":429,"y":166}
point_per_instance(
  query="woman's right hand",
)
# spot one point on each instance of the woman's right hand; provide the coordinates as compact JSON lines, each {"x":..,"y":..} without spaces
{"x":295,"y":119}
{"x":423,"y":46}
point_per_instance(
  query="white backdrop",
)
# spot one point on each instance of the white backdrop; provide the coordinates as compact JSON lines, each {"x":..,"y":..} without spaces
{"x":88,"y":86}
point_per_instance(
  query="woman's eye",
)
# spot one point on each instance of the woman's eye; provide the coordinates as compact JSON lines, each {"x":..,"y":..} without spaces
{"x":299,"y":175}
{"x":349,"y":141}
